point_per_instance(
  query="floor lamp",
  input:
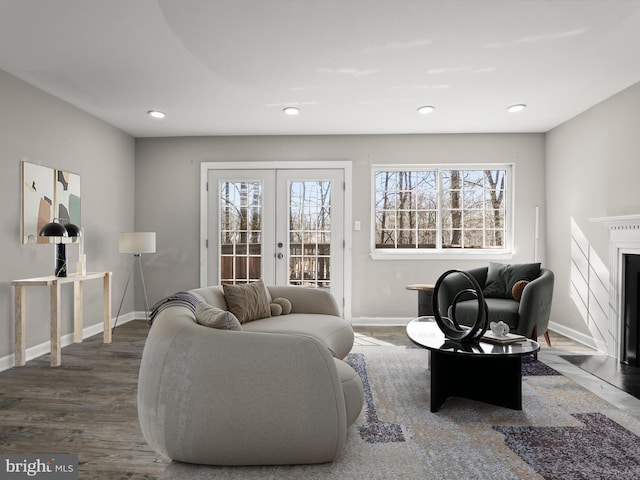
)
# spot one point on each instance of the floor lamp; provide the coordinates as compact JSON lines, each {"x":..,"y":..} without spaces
{"x":136,"y":243}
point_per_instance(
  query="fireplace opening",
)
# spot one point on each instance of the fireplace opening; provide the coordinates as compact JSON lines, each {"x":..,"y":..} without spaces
{"x":631,"y":311}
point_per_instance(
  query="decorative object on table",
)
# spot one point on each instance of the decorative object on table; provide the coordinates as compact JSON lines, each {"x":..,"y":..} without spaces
{"x":502,"y":339}
{"x":499,"y":329}
{"x":47,"y":193}
{"x":136,"y":243}
{"x":449,"y":325}
{"x":57,"y":232}
{"x":81,"y":266}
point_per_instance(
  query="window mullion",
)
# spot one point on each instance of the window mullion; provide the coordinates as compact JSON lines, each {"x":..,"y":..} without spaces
{"x":439,"y":210}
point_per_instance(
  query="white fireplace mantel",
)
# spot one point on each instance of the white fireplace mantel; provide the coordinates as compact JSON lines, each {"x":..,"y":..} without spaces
{"x":622,"y":222}
{"x":624,"y":239}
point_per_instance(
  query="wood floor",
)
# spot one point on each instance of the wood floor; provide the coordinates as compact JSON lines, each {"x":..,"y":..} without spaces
{"x":87,"y":406}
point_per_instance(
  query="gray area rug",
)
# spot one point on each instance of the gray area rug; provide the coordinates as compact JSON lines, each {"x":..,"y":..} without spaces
{"x":563,"y":432}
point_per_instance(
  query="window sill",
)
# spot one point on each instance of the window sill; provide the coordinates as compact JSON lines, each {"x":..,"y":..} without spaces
{"x":441,"y":255}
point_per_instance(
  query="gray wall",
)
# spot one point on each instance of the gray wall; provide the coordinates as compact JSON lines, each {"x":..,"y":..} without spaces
{"x":593,"y":168}
{"x":168,"y":196}
{"x":42,"y":129}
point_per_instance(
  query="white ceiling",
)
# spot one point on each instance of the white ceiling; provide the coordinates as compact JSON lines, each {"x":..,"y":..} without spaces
{"x":228,"y":67}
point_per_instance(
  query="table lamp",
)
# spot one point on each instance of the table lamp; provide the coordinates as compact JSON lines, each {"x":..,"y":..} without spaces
{"x":136,"y":243}
{"x":59,"y":231}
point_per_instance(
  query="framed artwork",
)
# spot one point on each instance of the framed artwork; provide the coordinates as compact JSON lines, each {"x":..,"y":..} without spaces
{"x":67,"y":197}
{"x":47,"y":194}
{"x":37,"y":201}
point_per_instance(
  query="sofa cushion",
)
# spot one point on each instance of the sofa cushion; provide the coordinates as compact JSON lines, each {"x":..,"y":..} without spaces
{"x":500,"y":310}
{"x":213,"y":317}
{"x":248,"y":302}
{"x":335,"y":332}
{"x":502,"y":277}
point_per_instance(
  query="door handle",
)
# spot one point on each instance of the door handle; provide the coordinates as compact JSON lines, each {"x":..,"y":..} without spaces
{"x":280,"y":256}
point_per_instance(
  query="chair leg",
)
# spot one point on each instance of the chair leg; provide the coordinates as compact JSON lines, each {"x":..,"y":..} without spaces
{"x":534,"y":337}
{"x":546,"y":337}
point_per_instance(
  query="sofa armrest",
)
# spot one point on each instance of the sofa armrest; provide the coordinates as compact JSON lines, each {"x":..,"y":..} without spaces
{"x":223,"y":397}
{"x":535,"y":304}
{"x":307,"y":300}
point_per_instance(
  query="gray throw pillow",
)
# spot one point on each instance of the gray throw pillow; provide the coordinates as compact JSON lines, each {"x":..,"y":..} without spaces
{"x":248,"y":301}
{"x":213,"y":317}
{"x":502,"y":277}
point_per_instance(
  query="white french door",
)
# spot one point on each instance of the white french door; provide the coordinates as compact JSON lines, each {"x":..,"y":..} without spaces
{"x":282,"y":225}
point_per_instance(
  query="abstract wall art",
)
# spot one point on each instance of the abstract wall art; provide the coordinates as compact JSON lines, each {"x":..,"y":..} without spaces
{"x":37,"y":200}
{"x":67,"y":197}
{"x":47,"y":194}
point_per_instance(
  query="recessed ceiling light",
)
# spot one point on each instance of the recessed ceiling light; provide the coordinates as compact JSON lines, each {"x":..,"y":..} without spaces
{"x":516,"y":108}
{"x":426,"y":109}
{"x":156,"y":114}
{"x":291,"y":110}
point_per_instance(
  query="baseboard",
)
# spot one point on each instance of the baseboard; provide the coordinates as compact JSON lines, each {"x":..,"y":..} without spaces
{"x":44,"y":348}
{"x":380,"y":321}
{"x":575,"y":335}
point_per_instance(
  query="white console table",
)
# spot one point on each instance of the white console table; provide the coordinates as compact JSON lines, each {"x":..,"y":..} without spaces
{"x":54,"y":284}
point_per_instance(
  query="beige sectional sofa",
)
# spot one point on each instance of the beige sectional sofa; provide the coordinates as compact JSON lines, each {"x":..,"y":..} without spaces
{"x":275,"y":392}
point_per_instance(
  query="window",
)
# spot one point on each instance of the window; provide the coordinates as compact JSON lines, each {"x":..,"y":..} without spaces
{"x":442,"y":209}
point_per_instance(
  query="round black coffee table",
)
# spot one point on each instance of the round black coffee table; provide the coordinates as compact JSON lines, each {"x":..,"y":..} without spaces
{"x":482,"y":371}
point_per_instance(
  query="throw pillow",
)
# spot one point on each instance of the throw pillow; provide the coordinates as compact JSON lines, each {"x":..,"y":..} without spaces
{"x":275,"y":309}
{"x":522,"y":271}
{"x":248,"y":301}
{"x":213,"y":317}
{"x":284,"y":303}
{"x":502,"y":277}
{"x":495,"y":286}
{"x":516,"y":291}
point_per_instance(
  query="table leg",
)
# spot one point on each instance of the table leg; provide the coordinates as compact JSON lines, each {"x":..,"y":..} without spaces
{"x":494,"y":380}
{"x":77,"y":312}
{"x":107,"y":308}
{"x":425,"y":303}
{"x":56,"y":354}
{"x":20,"y":326}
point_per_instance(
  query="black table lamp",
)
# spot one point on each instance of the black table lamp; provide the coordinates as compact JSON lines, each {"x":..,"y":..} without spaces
{"x":55,"y":229}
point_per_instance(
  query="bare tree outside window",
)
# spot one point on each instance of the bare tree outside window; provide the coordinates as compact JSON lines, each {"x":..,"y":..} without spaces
{"x":240,"y":231}
{"x":310,"y":233}
{"x":440,"y":209}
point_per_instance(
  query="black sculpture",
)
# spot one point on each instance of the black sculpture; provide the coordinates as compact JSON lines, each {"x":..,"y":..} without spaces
{"x":449,"y":325}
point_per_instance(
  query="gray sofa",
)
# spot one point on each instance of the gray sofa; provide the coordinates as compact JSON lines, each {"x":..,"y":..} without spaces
{"x":272,"y":393}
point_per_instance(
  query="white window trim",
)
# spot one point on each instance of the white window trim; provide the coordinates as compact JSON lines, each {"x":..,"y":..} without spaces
{"x":345,"y":165}
{"x":446,"y":254}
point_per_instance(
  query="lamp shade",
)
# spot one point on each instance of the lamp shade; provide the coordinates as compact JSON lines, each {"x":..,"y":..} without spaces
{"x":73,"y":230}
{"x":138,"y":242}
{"x":53,"y":229}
